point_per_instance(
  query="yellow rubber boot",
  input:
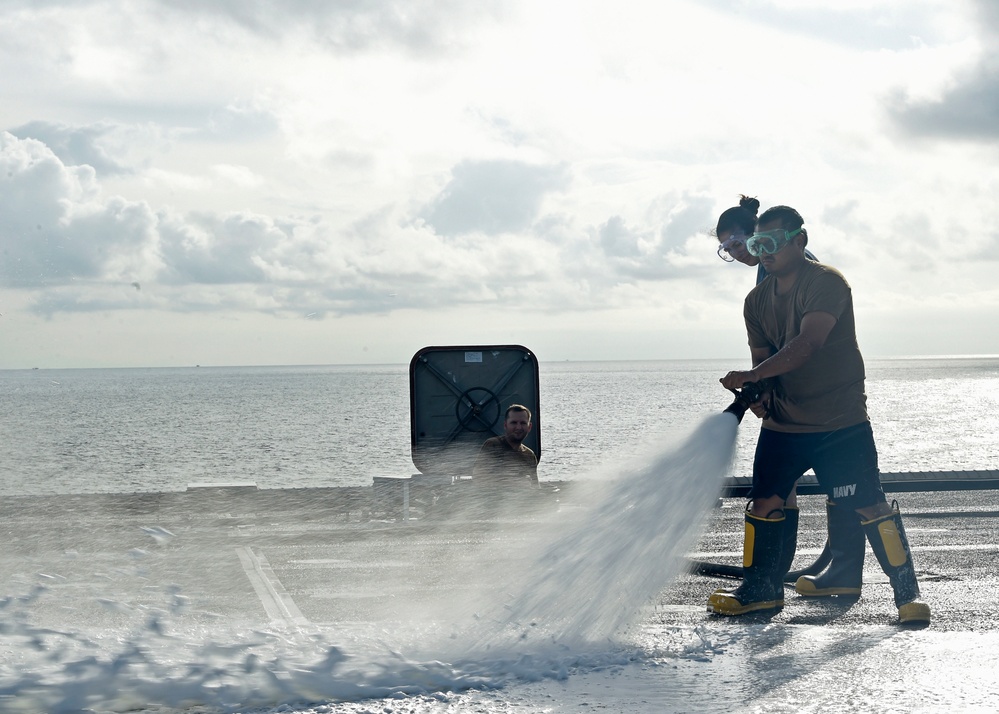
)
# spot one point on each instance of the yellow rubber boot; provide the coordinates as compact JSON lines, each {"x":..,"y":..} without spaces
{"x":788,"y":546}
{"x":887,"y":537}
{"x":761,"y":559}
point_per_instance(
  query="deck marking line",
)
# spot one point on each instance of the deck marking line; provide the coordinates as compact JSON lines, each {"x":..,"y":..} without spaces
{"x":277,"y":602}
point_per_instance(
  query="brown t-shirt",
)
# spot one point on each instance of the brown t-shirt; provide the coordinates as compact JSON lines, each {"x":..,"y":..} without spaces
{"x":498,"y":462}
{"x":827,"y":392}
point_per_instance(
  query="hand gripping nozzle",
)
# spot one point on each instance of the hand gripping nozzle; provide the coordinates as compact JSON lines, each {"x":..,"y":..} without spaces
{"x":749,"y":394}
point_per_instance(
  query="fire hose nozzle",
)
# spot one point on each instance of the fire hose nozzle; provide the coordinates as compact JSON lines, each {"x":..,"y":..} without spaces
{"x":749,"y":394}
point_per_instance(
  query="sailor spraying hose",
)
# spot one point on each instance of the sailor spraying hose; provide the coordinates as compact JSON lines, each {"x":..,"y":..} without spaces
{"x":845,"y":544}
{"x":808,"y":383}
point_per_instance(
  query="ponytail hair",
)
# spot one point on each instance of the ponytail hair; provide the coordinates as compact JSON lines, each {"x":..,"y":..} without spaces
{"x":740,"y":218}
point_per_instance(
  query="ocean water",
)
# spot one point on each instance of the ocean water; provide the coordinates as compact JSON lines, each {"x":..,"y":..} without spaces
{"x":138,"y":430}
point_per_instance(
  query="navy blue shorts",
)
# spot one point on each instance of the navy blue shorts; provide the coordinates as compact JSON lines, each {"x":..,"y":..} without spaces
{"x":845,"y":464}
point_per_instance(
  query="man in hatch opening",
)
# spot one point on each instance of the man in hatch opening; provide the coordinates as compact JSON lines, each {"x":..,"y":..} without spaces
{"x":504,"y":460}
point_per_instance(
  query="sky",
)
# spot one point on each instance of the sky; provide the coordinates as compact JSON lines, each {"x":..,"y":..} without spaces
{"x":253,"y":182}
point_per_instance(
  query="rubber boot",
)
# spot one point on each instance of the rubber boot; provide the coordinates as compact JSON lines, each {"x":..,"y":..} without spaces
{"x":761,"y":558}
{"x":847,"y":545}
{"x":789,"y":543}
{"x":887,"y":537}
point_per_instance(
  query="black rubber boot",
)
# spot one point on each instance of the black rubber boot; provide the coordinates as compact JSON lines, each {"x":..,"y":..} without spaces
{"x":847,"y":546}
{"x":761,"y":558}
{"x":788,"y":545}
{"x":887,"y":537}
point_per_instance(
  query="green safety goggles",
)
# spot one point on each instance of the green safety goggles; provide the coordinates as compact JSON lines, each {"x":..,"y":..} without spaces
{"x":770,"y":242}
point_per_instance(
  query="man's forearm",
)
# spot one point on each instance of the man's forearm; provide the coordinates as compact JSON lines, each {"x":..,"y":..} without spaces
{"x":794,"y":354}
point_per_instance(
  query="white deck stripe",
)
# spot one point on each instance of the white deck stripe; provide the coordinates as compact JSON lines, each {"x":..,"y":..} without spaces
{"x":277,"y":602}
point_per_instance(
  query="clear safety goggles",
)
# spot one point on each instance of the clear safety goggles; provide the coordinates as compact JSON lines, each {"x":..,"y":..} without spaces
{"x":770,"y":241}
{"x":726,"y":247}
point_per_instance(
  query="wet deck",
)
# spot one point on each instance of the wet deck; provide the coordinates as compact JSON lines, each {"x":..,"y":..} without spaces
{"x":343,"y":559}
{"x":326,"y":555}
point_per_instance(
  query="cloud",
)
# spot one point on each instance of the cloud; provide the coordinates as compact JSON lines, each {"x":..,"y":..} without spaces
{"x":354,"y":25}
{"x":54,"y":228}
{"x":208,"y":249}
{"x":418,"y":26}
{"x":75,"y":250}
{"x":238,"y":175}
{"x":75,"y":145}
{"x":969,"y":110}
{"x":668,"y":243}
{"x":492,"y":197}
{"x":969,"y":107}
{"x":240,"y":122}
{"x":682,"y":216}
{"x":865,"y":26}
{"x":618,"y":241}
